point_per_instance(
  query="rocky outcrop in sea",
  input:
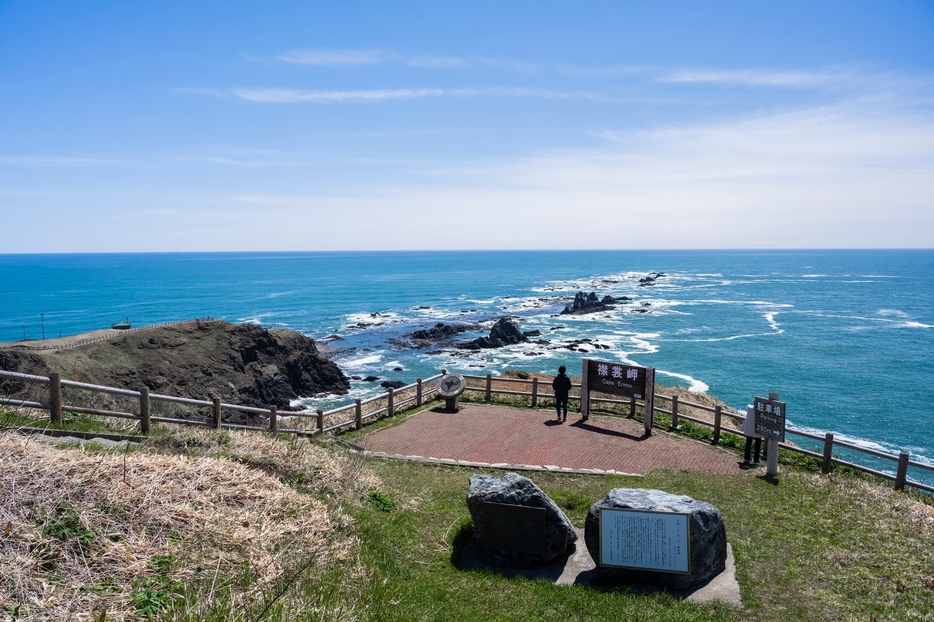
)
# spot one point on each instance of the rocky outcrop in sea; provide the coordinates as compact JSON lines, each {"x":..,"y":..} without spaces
{"x":505,"y":332}
{"x":240,"y":363}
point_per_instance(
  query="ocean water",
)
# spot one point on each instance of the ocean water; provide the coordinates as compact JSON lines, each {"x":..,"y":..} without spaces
{"x":846,"y":337}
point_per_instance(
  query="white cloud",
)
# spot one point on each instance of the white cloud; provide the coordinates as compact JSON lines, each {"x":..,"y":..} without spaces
{"x":294,"y":96}
{"x":824,"y":178}
{"x":325,"y":57}
{"x":335,"y":57}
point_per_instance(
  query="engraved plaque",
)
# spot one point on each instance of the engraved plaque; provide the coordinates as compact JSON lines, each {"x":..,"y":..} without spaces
{"x":645,"y":539}
{"x":515,"y":528}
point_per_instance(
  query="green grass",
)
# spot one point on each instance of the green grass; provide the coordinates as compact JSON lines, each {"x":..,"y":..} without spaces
{"x":807,"y":547}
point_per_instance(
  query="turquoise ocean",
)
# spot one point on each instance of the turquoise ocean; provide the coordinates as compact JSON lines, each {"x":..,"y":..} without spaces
{"x":846,"y":337}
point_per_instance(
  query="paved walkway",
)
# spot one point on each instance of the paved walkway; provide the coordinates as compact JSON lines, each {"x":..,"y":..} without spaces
{"x":502,"y":436}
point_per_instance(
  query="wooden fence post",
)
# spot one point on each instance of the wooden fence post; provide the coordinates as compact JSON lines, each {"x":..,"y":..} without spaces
{"x":534,"y":392}
{"x":717,"y":415}
{"x":273,"y":419}
{"x":390,"y":402}
{"x":55,"y":397}
{"x":320,"y":421}
{"x":418,"y":392}
{"x":632,"y":406}
{"x":358,"y":413}
{"x":217,"y":413}
{"x":489,"y":387}
{"x":902,"y":473}
{"x":826,"y":465}
{"x":674,"y":412}
{"x":145,"y":412}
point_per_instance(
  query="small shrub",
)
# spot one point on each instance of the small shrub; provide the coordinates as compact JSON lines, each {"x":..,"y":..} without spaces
{"x":380,"y":501}
{"x":67,"y":526}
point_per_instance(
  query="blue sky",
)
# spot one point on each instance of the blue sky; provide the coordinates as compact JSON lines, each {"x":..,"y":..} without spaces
{"x":321,"y":126}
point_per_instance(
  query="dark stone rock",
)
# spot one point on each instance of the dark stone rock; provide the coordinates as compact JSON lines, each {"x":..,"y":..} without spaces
{"x":505,"y":332}
{"x":397,"y":369}
{"x":532,"y":333}
{"x":513,"y":489}
{"x":371,"y":379}
{"x":588,"y":303}
{"x":428,"y":337}
{"x":708,"y":537}
{"x":395,"y":384}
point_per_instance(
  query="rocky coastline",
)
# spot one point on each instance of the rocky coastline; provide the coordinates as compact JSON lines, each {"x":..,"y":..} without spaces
{"x":240,"y":363}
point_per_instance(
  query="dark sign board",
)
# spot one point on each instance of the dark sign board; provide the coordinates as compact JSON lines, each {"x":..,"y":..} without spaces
{"x":516,"y":528}
{"x":616,"y":378}
{"x":770,"y":419}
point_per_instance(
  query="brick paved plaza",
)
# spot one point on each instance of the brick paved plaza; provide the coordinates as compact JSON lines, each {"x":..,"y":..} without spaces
{"x":497,"y":434}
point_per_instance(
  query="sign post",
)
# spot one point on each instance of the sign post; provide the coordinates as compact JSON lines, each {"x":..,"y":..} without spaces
{"x":770,"y":424}
{"x":619,"y":379}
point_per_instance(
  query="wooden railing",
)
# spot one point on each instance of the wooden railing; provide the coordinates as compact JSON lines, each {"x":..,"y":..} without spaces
{"x":416,"y":395}
{"x":394,"y":400}
{"x":902,"y":460}
{"x":40,"y":345}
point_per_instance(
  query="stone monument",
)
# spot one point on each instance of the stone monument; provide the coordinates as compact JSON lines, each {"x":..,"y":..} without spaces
{"x":657,"y":538}
{"x":516,"y":524}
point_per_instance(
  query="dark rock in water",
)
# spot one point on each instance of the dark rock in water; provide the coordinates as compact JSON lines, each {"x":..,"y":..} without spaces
{"x":707,"y":537}
{"x":395,"y":384}
{"x":513,"y":489}
{"x":588,"y":303}
{"x":397,"y":369}
{"x":240,"y":363}
{"x":532,"y":333}
{"x":356,"y":377}
{"x":650,"y":279}
{"x":371,"y":379}
{"x":426,"y":338}
{"x":504,"y":333}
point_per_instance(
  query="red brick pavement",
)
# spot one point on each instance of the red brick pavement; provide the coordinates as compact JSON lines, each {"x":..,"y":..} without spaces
{"x":497,"y":434}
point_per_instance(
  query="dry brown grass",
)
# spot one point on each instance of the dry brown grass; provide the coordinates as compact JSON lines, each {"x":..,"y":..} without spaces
{"x":218,"y":516}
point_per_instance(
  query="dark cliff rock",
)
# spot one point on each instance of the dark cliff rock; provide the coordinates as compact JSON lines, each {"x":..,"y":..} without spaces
{"x":242,"y":364}
{"x":588,"y":303}
{"x":504,"y":333}
{"x":429,"y":337}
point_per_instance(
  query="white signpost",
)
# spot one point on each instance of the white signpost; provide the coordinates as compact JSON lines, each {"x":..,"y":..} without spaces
{"x":645,"y":540}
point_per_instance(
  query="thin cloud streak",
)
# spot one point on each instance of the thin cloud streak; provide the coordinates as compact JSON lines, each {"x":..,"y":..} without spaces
{"x":334,"y":57}
{"x":293,"y":96}
{"x":325,"y":57}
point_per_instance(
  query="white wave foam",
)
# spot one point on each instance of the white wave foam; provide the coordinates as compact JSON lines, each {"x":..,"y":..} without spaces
{"x":770,"y":318}
{"x":730,"y":338}
{"x":891,"y":313}
{"x":696,"y":386}
{"x":913,"y":325}
{"x":362,"y":362}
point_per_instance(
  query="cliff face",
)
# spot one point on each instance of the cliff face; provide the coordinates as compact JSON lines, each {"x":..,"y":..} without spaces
{"x":243,"y":363}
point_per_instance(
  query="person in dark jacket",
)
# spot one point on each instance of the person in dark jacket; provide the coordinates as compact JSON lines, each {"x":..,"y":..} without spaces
{"x":561,"y":385}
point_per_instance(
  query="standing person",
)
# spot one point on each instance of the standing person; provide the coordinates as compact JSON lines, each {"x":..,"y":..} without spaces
{"x":749,"y":431}
{"x":561,"y":385}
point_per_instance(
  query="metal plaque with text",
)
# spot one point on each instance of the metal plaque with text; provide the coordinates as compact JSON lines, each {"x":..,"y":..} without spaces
{"x":516,"y":528}
{"x":646,"y":540}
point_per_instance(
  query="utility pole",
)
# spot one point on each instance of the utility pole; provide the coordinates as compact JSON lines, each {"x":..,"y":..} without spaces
{"x":42,"y":315}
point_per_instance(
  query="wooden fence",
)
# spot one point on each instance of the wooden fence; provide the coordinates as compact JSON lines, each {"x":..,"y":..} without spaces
{"x":41,"y":345}
{"x":418,"y":394}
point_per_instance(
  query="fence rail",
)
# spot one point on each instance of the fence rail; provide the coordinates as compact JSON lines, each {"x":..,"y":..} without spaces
{"x":27,"y":345}
{"x":417,"y":394}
